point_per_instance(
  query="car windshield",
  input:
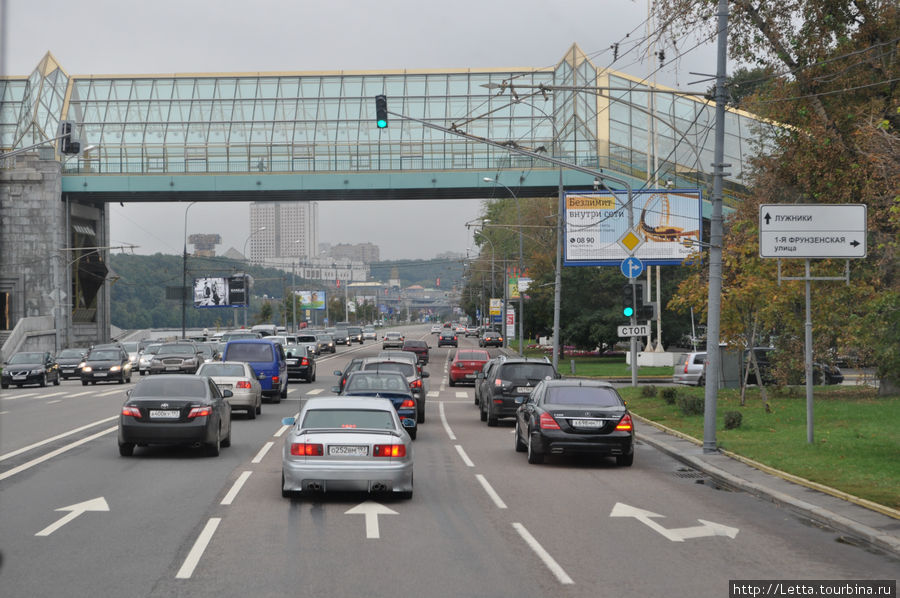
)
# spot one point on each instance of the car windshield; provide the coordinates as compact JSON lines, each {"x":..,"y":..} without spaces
{"x":104,"y":355}
{"x":407,"y":369}
{"x":375,"y":381}
{"x":250,"y":352}
{"x":152,"y":349}
{"x":65,"y":353}
{"x":131,"y":347}
{"x":471,"y":356}
{"x":348,"y":419}
{"x":206,"y":350}
{"x":176,"y":350}
{"x":221,"y":369}
{"x":27,"y":358}
{"x":527,"y":371}
{"x":170,"y":386}
{"x":414,"y":344}
{"x":582,"y":395}
{"x":306,"y":339}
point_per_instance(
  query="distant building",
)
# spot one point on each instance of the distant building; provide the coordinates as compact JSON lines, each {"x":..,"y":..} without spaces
{"x":356,"y":252}
{"x":283,"y":232}
{"x":205,"y":245}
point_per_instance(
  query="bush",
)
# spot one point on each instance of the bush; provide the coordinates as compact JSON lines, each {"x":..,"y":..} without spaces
{"x":648,"y":391}
{"x":690,"y":405}
{"x":733,"y":420}
{"x":669,"y":395}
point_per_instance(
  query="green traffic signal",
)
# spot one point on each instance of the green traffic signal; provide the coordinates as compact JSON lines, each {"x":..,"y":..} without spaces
{"x":628,"y":311}
{"x":381,"y":123}
{"x":381,"y":111}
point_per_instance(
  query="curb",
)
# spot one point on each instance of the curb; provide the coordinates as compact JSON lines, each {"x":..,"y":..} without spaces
{"x":881,"y":540}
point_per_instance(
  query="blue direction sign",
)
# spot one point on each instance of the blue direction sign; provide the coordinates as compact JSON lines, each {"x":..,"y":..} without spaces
{"x":632,"y":267}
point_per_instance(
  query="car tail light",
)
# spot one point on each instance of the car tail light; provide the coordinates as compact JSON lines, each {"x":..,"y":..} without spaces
{"x":625,"y":424}
{"x":389,"y":450}
{"x":200,"y":411}
{"x":304,"y":361}
{"x":274,"y":380}
{"x":547,"y":422}
{"x":685,"y":367}
{"x":500,"y":339}
{"x":415,"y":384}
{"x":407,"y":404}
{"x":132,"y":411}
{"x":454,"y":338}
{"x":242,"y":384}
{"x":303,"y":449}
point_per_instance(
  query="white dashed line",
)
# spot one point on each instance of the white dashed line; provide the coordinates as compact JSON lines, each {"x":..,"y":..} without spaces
{"x":238,"y":484}
{"x":548,"y":560}
{"x":54,"y":401}
{"x":57,"y":437}
{"x":80,"y":394}
{"x":193,"y":557}
{"x":444,"y":422}
{"x":315,"y":391}
{"x":490,"y":491}
{"x":464,"y":456}
{"x":461,"y":394}
{"x":281,"y":431}
{"x":433,"y":394}
{"x":262,"y":452}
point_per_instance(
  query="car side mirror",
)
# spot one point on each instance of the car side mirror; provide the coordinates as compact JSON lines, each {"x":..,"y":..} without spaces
{"x":337,"y":373}
{"x":479,"y":375}
{"x":336,"y":389}
{"x":287,"y":421}
{"x":520,"y":400}
{"x":227,"y":393}
{"x":425,"y":374}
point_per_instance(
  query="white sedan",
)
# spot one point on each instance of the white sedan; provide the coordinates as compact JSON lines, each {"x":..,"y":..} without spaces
{"x":347,"y":444}
{"x":240,"y":379}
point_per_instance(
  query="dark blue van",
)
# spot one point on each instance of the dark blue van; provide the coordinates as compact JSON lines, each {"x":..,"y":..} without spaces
{"x":267,"y":360}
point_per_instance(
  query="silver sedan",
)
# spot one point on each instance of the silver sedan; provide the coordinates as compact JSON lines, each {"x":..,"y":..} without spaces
{"x":240,"y":379}
{"x":347,"y":444}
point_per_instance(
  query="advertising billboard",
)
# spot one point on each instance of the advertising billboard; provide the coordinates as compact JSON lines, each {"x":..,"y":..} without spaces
{"x":667,"y":226}
{"x":219,"y":291}
{"x":311,"y":299}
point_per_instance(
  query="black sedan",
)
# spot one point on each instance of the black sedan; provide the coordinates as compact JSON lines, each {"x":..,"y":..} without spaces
{"x":565,"y":417}
{"x":490,"y":339}
{"x":301,"y":362}
{"x":70,"y":361}
{"x":105,"y":364}
{"x":447,"y":338}
{"x":30,"y":367}
{"x":178,"y":409}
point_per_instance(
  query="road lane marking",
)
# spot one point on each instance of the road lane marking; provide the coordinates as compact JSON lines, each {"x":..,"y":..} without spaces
{"x":316,"y":391}
{"x":51,"y":454}
{"x":464,"y":456}
{"x":57,"y":437}
{"x":262,"y":452}
{"x":444,"y":422}
{"x":461,"y":394}
{"x":238,"y":484}
{"x":490,"y":491}
{"x":110,"y":392}
{"x":3,"y":412}
{"x":80,"y":394}
{"x":548,"y":560}
{"x":54,"y":401}
{"x":281,"y":431}
{"x":433,"y":394}
{"x":53,"y":394}
{"x":193,"y":557}
{"x":96,"y":504}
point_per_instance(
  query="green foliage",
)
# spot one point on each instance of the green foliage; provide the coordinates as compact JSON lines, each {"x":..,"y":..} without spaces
{"x":733,"y":419}
{"x":669,"y":395}
{"x":690,"y":405}
{"x":648,"y":391}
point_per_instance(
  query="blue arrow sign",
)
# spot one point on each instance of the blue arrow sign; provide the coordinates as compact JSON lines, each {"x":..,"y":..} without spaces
{"x":632,"y":267}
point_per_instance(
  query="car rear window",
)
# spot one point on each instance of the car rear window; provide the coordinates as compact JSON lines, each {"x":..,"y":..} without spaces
{"x":365,"y":381}
{"x":527,"y":371}
{"x":221,"y":369}
{"x":471,"y":356}
{"x":414,"y":344}
{"x":407,"y":369}
{"x":249,"y":352}
{"x":582,"y":395}
{"x":165,"y":386}
{"x":98,"y":355}
{"x":307,"y":339}
{"x":348,"y":418}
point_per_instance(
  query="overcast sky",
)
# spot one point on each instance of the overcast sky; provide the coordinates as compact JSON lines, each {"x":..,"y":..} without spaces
{"x":178,"y":36}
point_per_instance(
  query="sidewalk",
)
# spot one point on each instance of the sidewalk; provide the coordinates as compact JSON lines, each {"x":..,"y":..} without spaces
{"x":868,"y":522}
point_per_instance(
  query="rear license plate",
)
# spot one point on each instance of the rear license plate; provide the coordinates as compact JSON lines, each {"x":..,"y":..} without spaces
{"x":157,"y":414}
{"x":224,"y":386}
{"x":291,"y":361}
{"x":587,"y":423}
{"x":348,"y":451}
{"x":524,"y":389}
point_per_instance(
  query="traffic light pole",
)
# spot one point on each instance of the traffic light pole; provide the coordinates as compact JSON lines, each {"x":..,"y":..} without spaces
{"x":633,"y":319}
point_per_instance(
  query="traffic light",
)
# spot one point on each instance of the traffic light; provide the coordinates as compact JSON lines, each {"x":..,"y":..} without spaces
{"x":647,"y":311}
{"x":381,"y":113}
{"x":627,"y":300}
{"x":66,"y":144}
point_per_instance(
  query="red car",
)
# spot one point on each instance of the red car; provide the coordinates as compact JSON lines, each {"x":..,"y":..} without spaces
{"x":466,"y":364}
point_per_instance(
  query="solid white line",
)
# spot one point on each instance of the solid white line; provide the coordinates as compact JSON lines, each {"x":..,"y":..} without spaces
{"x":444,"y":422}
{"x":3,"y":412}
{"x":57,"y":437}
{"x":464,"y":456}
{"x":51,"y":454}
{"x":238,"y":484}
{"x":490,"y":491}
{"x":549,"y":561}
{"x":193,"y":557}
{"x":262,"y":452}
{"x":55,"y":401}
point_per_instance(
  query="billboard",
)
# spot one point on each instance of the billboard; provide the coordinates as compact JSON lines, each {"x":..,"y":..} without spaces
{"x":667,"y":222}
{"x":311,"y":299}
{"x":219,"y":291}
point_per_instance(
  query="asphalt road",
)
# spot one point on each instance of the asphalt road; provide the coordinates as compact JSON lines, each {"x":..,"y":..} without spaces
{"x":482,"y":521}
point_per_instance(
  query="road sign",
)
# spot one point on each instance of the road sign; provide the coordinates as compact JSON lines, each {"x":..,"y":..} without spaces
{"x":630,"y":330}
{"x":630,"y":241}
{"x":812,"y":230}
{"x":632,"y":267}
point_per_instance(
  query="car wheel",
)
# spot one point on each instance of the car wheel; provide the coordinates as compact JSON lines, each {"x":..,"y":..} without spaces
{"x":521,"y":447}
{"x":56,"y":381}
{"x":412,"y":432}
{"x":94,"y":382}
{"x":491,"y":418}
{"x":142,"y":372}
{"x":126,"y":449}
{"x":259,"y":408}
{"x":251,"y":412}
{"x":84,"y":382}
{"x":285,"y":493}
{"x":534,"y":457}
{"x":625,"y":460}
{"x":4,"y":385}
{"x":226,"y":442}
{"x":214,"y":447}
{"x":451,"y":382}
{"x":482,"y":413}
{"x":44,"y":381}
{"x":283,"y":394}
{"x":701,"y":381}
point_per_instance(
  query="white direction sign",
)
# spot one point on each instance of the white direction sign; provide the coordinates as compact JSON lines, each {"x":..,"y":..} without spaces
{"x":371,"y":510}
{"x":812,"y":230}
{"x":680,"y":534}
{"x":636,"y":330}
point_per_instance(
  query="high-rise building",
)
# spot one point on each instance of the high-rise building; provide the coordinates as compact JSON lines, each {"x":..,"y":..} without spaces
{"x":291,"y":231}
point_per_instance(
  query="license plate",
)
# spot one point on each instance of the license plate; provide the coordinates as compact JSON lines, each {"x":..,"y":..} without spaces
{"x":525,"y":389}
{"x":157,"y":414}
{"x":587,"y":423}
{"x":99,"y":374}
{"x":225,"y":386}
{"x":292,"y":361}
{"x":470,"y":375}
{"x":172,"y":368}
{"x":348,"y":451}
{"x":19,"y":377}
{"x":68,"y":370}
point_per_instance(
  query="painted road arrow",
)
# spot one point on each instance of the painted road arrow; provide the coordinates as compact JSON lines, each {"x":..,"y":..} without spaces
{"x":706,"y":528}
{"x":95,"y":504}
{"x":371,"y":510}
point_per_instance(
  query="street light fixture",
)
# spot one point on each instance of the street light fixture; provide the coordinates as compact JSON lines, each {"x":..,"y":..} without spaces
{"x":247,"y":290}
{"x":505,"y":280}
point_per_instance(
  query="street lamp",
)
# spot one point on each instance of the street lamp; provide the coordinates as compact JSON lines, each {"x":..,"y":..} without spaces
{"x":247,"y":290}
{"x":506,"y":281}
{"x":184,"y":271}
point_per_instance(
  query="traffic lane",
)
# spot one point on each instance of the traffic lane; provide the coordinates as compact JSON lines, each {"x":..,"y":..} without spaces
{"x":568,"y":502}
{"x":448,"y":540}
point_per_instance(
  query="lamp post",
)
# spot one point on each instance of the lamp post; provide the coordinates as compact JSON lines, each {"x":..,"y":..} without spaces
{"x":184,"y":272}
{"x":506,"y":281}
{"x":485,"y":237}
{"x":247,"y":290}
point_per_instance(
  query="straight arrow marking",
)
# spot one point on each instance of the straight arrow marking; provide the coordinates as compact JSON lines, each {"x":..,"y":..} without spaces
{"x":371,"y":510}
{"x":706,"y":528}
{"x":95,"y":504}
